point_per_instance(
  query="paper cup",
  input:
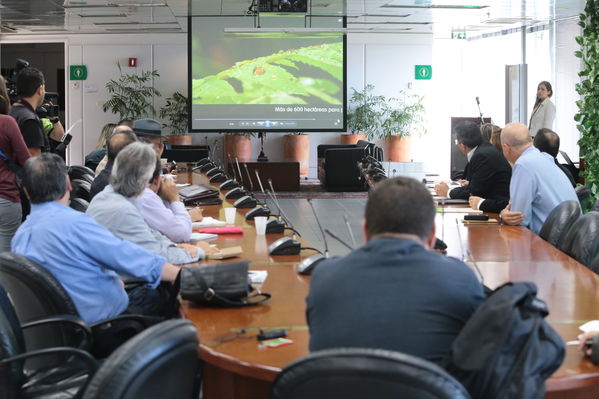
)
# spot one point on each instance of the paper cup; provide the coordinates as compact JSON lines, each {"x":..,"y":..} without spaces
{"x":230,"y":215}
{"x":260,"y":222}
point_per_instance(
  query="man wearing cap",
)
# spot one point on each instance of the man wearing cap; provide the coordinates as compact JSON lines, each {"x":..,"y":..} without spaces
{"x":159,"y":204}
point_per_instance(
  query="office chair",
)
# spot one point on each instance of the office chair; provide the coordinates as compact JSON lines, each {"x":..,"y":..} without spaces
{"x":81,"y":189}
{"x":582,"y":239}
{"x":81,"y":172}
{"x":571,"y":166}
{"x":584,"y":196}
{"x":160,"y":362}
{"x":559,"y":221}
{"x":79,"y":204}
{"x":37,"y":294}
{"x":364,"y":373}
{"x":60,"y":380}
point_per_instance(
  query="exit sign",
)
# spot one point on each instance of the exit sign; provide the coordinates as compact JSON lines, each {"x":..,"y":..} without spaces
{"x":423,"y":72}
{"x":458,"y":35}
{"x":78,"y":72}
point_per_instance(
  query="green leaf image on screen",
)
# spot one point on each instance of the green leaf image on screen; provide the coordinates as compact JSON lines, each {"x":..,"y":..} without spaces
{"x":295,"y":76}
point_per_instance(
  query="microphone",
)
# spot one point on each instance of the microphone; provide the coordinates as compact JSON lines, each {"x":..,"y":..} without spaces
{"x":259,"y":210}
{"x":247,"y":201}
{"x":230,"y":183}
{"x":329,"y":232}
{"x":239,"y":191}
{"x":307,"y":265}
{"x":477,"y":101}
{"x":206,"y":160}
{"x":482,"y":121}
{"x":284,"y":245}
{"x":350,"y":231}
{"x":245,"y":165}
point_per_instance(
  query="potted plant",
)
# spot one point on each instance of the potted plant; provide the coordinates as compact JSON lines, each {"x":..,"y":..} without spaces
{"x":364,"y":116}
{"x":175,"y":111}
{"x":401,"y":118}
{"x":239,"y":145}
{"x":296,"y":147}
{"x":587,"y":116}
{"x":131,"y":95}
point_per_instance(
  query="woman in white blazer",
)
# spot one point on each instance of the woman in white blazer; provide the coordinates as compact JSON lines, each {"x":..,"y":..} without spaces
{"x":543,"y":113}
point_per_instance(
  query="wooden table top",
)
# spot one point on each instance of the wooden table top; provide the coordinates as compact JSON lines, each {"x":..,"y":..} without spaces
{"x":502,"y":253}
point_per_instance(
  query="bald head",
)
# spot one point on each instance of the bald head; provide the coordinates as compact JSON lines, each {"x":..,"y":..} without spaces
{"x":516,"y":136}
{"x":118,"y":141}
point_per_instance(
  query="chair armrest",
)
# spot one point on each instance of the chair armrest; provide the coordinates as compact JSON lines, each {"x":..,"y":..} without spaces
{"x":88,"y":360}
{"x":67,"y":319}
{"x":146,"y":321}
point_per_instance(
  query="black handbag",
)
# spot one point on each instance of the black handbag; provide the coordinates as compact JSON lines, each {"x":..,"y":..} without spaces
{"x":221,"y":285}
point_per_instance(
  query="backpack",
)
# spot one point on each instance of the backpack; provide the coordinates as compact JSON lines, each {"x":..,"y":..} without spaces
{"x":507,"y":350}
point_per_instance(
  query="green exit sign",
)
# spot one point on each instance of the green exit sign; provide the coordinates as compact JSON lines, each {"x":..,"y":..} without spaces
{"x":458,"y":35}
{"x":423,"y":72}
{"x":78,"y":72}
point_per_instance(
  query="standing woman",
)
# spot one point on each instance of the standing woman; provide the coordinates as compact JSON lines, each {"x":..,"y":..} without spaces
{"x":13,"y":154}
{"x":543,"y":113}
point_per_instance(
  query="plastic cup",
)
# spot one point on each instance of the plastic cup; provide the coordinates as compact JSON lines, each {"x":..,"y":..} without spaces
{"x":260,"y":222}
{"x":230,"y":215}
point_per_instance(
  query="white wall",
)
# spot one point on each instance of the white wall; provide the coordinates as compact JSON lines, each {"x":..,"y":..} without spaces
{"x":461,"y":71}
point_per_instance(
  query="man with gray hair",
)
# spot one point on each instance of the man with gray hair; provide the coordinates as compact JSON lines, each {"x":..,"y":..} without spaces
{"x":121,"y":137}
{"x":537,"y":184}
{"x":82,"y":255}
{"x":117,"y":207}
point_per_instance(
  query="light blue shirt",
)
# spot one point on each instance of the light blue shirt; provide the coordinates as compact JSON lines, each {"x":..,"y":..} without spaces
{"x":169,"y":218}
{"x":85,"y":258}
{"x":121,"y":215}
{"x":538,"y":186}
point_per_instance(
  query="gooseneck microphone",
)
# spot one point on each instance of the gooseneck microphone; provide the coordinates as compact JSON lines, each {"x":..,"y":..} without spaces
{"x":482,"y":121}
{"x":245,"y":200}
{"x":307,"y":265}
{"x":258,"y":210}
{"x":245,"y":165}
{"x":329,"y":232}
{"x":230,"y":183}
{"x":350,"y":231}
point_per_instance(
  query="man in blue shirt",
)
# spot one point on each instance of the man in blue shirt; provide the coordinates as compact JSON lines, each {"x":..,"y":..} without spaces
{"x":82,"y":255}
{"x":537,"y":184}
{"x":393,"y":293}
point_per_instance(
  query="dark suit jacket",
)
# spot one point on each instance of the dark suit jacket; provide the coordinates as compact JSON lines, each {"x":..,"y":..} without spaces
{"x":101,"y":180}
{"x":393,"y":294}
{"x":489,"y":175}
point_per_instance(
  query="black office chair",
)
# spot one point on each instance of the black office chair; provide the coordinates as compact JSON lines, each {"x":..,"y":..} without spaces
{"x":582,"y":239}
{"x":37,"y":294}
{"x":81,"y":189}
{"x":559,"y":221}
{"x":571,"y":166}
{"x":81,"y":172}
{"x":79,"y":204}
{"x":161,"y":362}
{"x":364,"y":373}
{"x":61,"y":380}
{"x":584,"y":197}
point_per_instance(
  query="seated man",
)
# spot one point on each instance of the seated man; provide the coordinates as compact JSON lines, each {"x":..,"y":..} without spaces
{"x":162,"y":210}
{"x":121,"y":138}
{"x":547,"y":141}
{"x":487,"y":172}
{"x":393,"y":293}
{"x":117,"y":207}
{"x":160,"y":205}
{"x":82,"y":255}
{"x":537,"y":185}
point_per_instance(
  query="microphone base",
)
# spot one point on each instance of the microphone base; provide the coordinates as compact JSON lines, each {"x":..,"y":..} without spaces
{"x":257,"y":211}
{"x":245,"y":202}
{"x":307,"y":265}
{"x":285,"y":246}
{"x":236,"y":193}
{"x":275,"y":227}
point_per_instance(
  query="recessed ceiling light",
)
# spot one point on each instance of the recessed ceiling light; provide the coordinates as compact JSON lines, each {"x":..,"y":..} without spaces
{"x":436,"y":6}
{"x":389,"y":23}
{"x":102,"y":15}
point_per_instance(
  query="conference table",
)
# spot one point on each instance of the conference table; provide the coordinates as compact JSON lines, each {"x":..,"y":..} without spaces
{"x":236,"y":366}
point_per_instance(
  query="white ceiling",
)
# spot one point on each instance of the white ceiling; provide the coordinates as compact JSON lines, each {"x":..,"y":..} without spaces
{"x":378,"y":16}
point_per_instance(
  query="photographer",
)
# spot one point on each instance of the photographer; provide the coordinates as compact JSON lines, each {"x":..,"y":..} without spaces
{"x":31,"y":91}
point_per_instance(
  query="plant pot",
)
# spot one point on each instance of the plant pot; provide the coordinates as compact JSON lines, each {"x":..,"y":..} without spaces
{"x":239,"y":146}
{"x":180,"y":139}
{"x":351,"y":138}
{"x":399,"y":149}
{"x":296,"y":147}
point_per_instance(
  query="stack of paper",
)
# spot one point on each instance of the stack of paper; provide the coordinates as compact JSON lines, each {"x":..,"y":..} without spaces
{"x":207,"y":221}
{"x":202,"y":236}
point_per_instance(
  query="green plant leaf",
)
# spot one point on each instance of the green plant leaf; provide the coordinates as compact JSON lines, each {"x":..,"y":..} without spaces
{"x":280,"y":78}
